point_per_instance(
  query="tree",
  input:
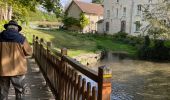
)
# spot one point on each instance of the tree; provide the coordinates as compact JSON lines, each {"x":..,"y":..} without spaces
{"x":19,"y":9}
{"x":158,"y":18}
{"x":97,"y":1}
{"x":84,"y":21}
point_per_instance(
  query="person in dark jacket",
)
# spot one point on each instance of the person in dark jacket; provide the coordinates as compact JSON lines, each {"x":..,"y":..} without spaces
{"x":13,"y":65}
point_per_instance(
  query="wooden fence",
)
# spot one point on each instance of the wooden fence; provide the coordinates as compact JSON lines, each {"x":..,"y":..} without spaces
{"x":62,"y":74}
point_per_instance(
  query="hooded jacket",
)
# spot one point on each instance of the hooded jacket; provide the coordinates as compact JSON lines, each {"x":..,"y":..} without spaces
{"x":13,"y":51}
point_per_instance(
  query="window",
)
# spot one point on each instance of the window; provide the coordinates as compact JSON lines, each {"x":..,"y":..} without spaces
{"x":108,"y":13}
{"x":107,"y":26}
{"x":149,"y":1}
{"x":117,"y":12}
{"x":138,"y":25}
{"x":139,"y":9}
{"x":124,"y":11}
{"x":123,"y":26}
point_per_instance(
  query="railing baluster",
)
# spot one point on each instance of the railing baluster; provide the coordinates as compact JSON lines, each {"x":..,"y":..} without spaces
{"x":79,"y":87}
{"x":88,"y":93}
{"x":94,"y":93}
{"x":75,"y":85}
{"x":84,"y":89}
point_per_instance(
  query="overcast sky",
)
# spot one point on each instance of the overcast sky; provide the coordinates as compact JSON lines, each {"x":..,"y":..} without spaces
{"x":64,"y":2}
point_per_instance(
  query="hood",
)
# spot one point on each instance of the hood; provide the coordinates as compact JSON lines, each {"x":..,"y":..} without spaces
{"x":12,"y":36}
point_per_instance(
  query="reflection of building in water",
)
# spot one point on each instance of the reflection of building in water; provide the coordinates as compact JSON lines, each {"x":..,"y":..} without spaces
{"x":127,"y":15}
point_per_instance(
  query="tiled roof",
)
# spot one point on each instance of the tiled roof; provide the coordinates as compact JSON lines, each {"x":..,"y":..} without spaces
{"x":90,"y":8}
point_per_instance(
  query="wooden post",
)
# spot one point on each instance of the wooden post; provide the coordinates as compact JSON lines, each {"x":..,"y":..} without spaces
{"x":104,"y":85}
{"x":40,"y":52}
{"x":33,"y":44}
{"x":36,"y":47}
{"x":64,"y":51}
{"x":62,"y":93}
{"x":49,"y":45}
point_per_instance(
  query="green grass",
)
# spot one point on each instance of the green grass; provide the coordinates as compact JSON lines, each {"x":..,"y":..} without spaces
{"x":78,"y":43}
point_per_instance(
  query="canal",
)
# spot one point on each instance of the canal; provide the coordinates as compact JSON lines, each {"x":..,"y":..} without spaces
{"x":136,"y":79}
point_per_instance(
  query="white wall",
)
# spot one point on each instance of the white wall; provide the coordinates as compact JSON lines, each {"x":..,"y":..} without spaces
{"x":131,"y":15}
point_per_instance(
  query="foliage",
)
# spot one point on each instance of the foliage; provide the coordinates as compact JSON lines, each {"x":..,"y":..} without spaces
{"x":2,"y":22}
{"x":158,"y":18}
{"x":21,"y":8}
{"x":147,"y":41}
{"x":120,"y":35}
{"x":97,"y":1}
{"x":41,"y":16}
{"x":156,"y":52}
{"x":52,"y":6}
{"x":69,"y":21}
{"x":156,"y":33}
{"x":158,"y":30}
{"x":84,"y":21}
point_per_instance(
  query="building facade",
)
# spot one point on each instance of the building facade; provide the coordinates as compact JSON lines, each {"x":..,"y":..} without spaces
{"x":94,"y":12}
{"x":126,"y":15}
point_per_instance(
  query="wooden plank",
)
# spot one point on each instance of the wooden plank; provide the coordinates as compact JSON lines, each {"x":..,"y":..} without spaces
{"x":94,"y":93}
{"x":69,"y":83}
{"x":79,"y":87}
{"x":83,"y":92}
{"x":66,"y":83}
{"x":88,"y":93}
{"x":75,"y":85}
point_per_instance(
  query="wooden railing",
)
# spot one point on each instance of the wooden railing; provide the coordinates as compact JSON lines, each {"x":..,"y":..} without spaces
{"x":64,"y":74}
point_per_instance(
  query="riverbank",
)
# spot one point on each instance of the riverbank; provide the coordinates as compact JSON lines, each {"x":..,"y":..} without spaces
{"x":78,"y":44}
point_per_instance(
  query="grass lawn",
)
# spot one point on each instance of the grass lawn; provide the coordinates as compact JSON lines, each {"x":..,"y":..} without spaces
{"x":78,"y":43}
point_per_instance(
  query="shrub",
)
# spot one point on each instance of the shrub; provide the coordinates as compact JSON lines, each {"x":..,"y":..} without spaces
{"x":158,"y":52}
{"x":120,"y":35}
{"x":69,"y":21}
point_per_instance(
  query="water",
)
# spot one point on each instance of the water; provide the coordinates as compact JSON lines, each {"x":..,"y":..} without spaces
{"x":137,"y":80}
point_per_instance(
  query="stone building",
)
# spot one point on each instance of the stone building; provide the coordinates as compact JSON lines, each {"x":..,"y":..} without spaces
{"x":94,"y":12}
{"x":126,"y":15}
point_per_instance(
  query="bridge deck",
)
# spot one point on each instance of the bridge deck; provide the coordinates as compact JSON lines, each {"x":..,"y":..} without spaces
{"x":36,"y":85}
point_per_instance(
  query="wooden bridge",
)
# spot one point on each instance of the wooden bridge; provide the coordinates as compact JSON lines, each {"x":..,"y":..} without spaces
{"x":67,"y":78}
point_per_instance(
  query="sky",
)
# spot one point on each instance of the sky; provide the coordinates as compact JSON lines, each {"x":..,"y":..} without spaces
{"x":65,"y":2}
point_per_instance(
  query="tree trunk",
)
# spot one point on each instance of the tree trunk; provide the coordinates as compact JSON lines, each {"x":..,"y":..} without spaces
{"x":1,"y":13}
{"x":9,"y":12}
{"x":6,"y":12}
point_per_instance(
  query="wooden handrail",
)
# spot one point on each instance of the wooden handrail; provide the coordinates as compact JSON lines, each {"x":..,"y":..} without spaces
{"x":81,"y":68}
{"x":64,"y":80}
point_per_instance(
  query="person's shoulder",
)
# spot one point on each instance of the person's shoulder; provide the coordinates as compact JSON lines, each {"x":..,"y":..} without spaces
{"x":2,"y":31}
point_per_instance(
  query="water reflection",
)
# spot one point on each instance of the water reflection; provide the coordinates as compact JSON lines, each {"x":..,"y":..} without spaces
{"x":137,"y":80}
